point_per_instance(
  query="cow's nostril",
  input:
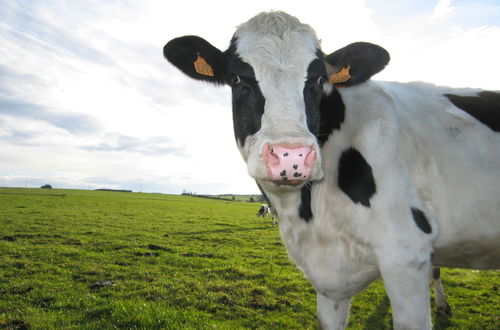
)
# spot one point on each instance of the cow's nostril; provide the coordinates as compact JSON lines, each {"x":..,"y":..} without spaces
{"x":270,"y":157}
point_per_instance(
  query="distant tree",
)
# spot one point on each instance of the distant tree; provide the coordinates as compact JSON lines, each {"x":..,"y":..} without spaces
{"x":46,"y":186}
{"x":233,"y":198}
{"x":252,"y":200}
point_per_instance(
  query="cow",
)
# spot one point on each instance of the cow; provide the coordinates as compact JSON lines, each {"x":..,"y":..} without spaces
{"x":267,"y":210}
{"x":264,"y":211}
{"x":369,"y":178}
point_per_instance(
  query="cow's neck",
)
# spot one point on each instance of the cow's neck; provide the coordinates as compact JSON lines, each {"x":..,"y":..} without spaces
{"x":290,"y":205}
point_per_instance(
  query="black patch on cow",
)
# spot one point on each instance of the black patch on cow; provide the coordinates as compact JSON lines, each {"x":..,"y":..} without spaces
{"x":355,"y":177}
{"x":295,"y":166}
{"x":421,"y":220}
{"x":317,"y":66}
{"x":436,"y":273}
{"x":332,"y":114}
{"x":305,"y":211}
{"x":313,"y":91}
{"x":248,"y":101}
{"x":485,"y":107}
{"x":283,"y":173}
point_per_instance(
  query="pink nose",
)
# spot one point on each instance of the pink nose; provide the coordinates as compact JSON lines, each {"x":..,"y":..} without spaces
{"x":289,"y":165}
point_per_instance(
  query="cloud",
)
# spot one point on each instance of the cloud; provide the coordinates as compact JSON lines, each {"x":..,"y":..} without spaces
{"x":72,"y":122}
{"x":449,"y":43}
{"x":442,"y":9}
{"x":48,"y":39}
{"x":15,"y":136}
{"x":152,"y":146}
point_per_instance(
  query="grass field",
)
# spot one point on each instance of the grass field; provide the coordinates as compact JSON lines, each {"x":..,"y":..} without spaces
{"x":98,"y":260}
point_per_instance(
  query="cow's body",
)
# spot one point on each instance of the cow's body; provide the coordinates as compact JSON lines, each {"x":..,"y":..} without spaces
{"x":263,"y":211}
{"x":267,"y":211}
{"x":376,"y":179}
{"x":425,"y":154}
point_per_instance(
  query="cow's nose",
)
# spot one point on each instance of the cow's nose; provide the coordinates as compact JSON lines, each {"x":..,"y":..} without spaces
{"x":289,"y":165}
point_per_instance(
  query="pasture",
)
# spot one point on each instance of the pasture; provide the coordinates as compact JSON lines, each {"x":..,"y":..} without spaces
{"x":100,"y":260}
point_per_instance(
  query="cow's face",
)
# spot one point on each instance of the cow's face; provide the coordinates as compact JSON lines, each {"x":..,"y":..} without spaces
{"x":277,"y":74}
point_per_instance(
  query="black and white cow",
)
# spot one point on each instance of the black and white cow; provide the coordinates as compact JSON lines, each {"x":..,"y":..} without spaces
{"x":377,"y":179}
{"x":267,"y":211}
{"x":263,"y":211}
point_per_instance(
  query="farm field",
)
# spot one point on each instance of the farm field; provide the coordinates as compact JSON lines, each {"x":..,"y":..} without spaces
{"x":73,"y":259}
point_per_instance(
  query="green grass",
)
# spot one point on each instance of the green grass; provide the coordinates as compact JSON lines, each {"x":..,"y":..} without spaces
{"x":175,"y":262}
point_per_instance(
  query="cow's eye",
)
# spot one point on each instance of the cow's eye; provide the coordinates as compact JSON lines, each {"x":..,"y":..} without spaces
{"x":321,"y":80}
{"x":235,"y":79}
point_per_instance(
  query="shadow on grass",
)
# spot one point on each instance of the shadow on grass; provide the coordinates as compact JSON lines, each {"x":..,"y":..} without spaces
{"x":442,"y":321}
{"x":376,"y":321}
{"x":33,"y":194}
{"x":14,"y":324}
{"x":227,"y":230}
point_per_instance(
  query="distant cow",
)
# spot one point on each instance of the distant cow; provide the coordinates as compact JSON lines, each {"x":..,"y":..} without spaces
{"x":266,"y":210}
{"x":263,"y":211}
{"x":369,"y":178}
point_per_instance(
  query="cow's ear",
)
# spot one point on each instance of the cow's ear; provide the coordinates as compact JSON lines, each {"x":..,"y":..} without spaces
{"x":197,"y":58}
{"x":355,"y":63}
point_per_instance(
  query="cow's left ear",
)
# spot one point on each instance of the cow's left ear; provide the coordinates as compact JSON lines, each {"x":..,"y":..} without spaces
{"x":355,"y":63}
{"x":197,"y":58}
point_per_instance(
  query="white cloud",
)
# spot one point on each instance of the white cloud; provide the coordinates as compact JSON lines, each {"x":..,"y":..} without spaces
{"x":442,"y":9}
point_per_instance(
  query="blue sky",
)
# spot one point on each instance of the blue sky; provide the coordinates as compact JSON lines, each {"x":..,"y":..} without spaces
{"x":87,"y":100}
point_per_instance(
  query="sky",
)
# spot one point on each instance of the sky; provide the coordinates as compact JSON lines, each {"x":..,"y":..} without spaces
{"x":87,"y":100}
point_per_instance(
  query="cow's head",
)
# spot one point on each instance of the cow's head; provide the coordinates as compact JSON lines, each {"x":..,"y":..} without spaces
{"x":278,"y":76}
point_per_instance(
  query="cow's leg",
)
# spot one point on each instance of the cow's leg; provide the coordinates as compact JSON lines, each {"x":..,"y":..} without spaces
{"x":408,"y":290}
{"x":439,"y":295}
{"x":332,"y":314}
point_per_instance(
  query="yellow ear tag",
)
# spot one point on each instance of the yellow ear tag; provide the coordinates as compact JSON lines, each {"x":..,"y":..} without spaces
{"x":202,"y":67}
{"x":341,"y":76}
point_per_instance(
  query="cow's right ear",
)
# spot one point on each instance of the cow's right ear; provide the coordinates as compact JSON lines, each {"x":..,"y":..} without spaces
{"x":197,"y":58}
{"x":355,"y":63}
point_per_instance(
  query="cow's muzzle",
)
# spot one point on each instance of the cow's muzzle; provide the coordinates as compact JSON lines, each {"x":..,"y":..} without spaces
{"x":289,"y":164}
